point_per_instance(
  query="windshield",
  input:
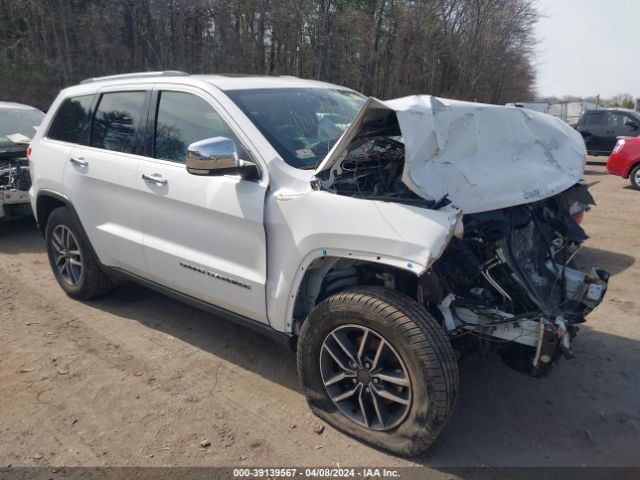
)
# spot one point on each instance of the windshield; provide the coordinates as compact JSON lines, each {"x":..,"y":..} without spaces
{"x":302,"y":124}
{"x":18,"y":120}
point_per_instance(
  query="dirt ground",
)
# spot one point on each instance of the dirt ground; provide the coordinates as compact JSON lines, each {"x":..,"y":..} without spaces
{"x":137,"y":379}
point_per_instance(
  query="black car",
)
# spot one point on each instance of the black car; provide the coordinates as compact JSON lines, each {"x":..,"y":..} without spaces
{"x":600,"y":128}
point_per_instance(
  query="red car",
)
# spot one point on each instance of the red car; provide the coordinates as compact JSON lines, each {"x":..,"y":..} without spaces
{"x":624,"y":161}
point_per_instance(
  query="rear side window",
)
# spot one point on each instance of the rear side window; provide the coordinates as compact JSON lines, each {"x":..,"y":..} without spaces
{"x":594,"y":118}
{"x":117,"y":120}
{"x":71,"y":123}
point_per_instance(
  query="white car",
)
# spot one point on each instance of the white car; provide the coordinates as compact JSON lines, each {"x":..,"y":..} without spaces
{"x":373,"y":236}
{"x":18,"y":124}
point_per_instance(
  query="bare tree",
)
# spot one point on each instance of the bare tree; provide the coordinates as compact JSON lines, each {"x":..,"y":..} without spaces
{"x":470,"y":49}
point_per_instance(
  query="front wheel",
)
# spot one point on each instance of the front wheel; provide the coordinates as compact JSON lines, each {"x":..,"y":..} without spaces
{"x":376,"y":365}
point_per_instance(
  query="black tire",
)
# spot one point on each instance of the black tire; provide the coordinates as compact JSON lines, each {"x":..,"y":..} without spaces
{"x":419,"y":341}
{"x":634,"y":177}
{"x":91,"y":281}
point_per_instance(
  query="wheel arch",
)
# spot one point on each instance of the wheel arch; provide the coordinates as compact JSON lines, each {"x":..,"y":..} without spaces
{"x":321,"y":275}
{"x":632,"y":166}
{"x":46,"y":202}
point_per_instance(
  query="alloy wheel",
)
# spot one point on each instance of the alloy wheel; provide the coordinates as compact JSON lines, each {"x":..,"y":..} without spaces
{"x":67,"y":256}
{"x":365,"y":377}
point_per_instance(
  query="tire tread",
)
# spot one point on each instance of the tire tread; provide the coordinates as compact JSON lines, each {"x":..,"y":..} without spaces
{"x":424,"y":336}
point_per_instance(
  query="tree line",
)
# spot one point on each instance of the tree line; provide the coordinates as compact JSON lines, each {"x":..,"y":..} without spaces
{"x":478,"y":50}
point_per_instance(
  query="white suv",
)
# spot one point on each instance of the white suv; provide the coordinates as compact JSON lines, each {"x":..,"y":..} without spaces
{"x":373,"y":236}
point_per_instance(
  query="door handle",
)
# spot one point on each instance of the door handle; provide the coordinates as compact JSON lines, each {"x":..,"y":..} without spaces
{"x":609,"y":131}
{"x":81,"y":162}
{"x":155,"y":178}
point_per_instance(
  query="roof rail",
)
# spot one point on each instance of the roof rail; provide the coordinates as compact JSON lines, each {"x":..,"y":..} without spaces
{"x":128,"y":76}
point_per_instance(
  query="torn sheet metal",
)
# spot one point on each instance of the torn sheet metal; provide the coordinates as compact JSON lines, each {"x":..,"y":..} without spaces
{"x":484,"y":157}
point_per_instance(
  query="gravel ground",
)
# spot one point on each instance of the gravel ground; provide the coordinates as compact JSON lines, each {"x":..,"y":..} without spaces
{"x":137,"y":379}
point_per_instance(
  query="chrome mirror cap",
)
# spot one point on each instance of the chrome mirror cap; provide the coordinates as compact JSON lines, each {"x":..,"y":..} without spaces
{"x":212,"y":156}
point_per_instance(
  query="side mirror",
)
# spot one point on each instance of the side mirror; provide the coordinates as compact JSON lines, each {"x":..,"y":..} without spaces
{"x":218,"y":156}
{"x":632,"y":125}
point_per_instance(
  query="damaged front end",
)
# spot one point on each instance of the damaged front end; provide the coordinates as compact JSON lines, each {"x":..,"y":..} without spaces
{"x":516,"y":176}
{"x":510,"y":278}
{"x":15,"y":182}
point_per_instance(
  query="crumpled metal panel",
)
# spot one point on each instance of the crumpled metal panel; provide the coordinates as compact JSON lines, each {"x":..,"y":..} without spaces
{"x":484,"y":157}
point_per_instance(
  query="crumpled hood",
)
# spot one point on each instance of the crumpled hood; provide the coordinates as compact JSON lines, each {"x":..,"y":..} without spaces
{"x":484,"y":157}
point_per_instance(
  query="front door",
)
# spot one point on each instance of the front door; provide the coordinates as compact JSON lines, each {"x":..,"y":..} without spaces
{"x":203,"y":236}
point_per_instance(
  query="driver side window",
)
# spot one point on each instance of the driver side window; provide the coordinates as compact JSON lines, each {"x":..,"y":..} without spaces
{"x":182,"y":119}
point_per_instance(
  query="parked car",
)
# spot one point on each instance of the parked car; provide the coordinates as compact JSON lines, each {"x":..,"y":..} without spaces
{"x":624,"y":161}
{"x":372,"y":236}
{"x":601,"y":128}
{"x":17,"y":126}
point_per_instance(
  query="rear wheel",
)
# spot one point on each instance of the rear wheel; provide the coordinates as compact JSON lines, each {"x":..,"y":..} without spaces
{"x":72,"y":260}
{"x":374,"y":364}
{"x":634,"y":177}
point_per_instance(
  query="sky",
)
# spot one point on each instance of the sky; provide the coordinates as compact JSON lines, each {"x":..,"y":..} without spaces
{"x":588,"y":47}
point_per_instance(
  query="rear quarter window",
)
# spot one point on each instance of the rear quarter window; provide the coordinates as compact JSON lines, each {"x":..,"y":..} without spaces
{"x":72,"y":120}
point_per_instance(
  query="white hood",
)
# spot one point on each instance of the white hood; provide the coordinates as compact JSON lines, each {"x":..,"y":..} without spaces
{"x":484,"y":157}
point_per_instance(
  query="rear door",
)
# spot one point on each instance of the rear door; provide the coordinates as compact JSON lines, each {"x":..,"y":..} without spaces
{"x":203,"y":236}
{"x":100,"y":178}
{"x":69,"y":127}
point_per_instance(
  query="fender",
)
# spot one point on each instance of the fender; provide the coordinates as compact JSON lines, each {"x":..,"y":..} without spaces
{"x":304,"y":228}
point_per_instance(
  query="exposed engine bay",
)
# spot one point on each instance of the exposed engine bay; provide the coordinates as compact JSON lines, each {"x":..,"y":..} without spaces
{"x":372,"y":167}
{"x":15,"y":182}
{"x":509,"y":278}
{"x":373,"y":171}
